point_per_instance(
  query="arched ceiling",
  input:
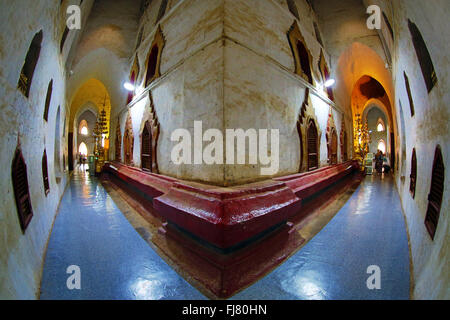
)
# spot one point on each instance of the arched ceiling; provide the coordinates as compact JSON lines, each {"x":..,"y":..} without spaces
{"x":104,"y":51}
{"x":356,"y":62}
{"x":342,"y":23}
{"x":354,"y":49}
{"x":368,"y":88}
{"x":104,"y":66}
{"x":91,"y":93}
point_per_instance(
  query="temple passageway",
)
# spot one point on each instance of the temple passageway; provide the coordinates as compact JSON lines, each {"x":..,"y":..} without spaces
{"x":116,"y":263}
{"x":368,"y":230}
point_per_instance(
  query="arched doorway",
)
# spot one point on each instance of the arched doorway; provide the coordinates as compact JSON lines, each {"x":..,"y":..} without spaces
{"x":146,"y":150}
{"x":333,"y":147}
{"x":378,"y":126}
{"x":82,"y":149}
{"x":57,"y":149}
{"x":85,"y":124}
{"x":313,"y":156}
{"x":382,"y":146}
{"x":87,"y":102}
{"x":128,"y":141}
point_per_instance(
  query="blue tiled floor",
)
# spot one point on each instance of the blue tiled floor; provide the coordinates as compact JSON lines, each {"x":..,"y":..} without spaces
{"x":368,"y":230}
{"x":116,"y":263}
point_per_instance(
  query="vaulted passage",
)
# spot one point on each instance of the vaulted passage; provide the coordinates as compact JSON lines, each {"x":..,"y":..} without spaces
{"x":317,"y":271}
{"x":224,"y":149}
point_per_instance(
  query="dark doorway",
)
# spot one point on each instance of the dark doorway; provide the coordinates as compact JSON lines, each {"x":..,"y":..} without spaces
{"x":70,"y":145}
{"x":392,"y":151}
{"x":313,"y":157}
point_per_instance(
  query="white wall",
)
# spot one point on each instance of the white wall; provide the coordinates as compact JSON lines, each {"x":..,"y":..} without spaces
{"x":22,"y":120}
{"x":230,"y":65}
{"x":428,"y":128}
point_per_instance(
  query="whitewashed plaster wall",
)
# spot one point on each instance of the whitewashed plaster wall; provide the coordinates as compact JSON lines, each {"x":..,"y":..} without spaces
{"x":228,"y":64}
{"x":428,"y":128}
{"x":190,"y":86}
{"x":261,"y":90}
{"x":22,"y":120}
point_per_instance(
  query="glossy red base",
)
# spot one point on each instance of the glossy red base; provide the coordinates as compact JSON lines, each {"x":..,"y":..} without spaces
{"x":225,"y":274}
{"x":227,"y":217}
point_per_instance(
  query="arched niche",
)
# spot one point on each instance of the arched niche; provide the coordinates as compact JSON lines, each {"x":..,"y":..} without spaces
{"x":128,"y":141}
{"x":436,"y":194}
{"x":344,"y":141}
{"x":413,"y":175}
{"x":305,"y":117}
{"x":301,"y":53}
{"x":424,"y":57}
{"x":332,"y":140}
{"x":153,"y":61}
{"x":134,"y":75}
{"x":21,"y":189}
{"x":57,"y":148}
{"x":313,"y":139}
{"x":45,"y":179}
{"x":149,"y":137}
{"x":325,"y":73}
{"x":29,"y":66}
{"x":118,"y":143}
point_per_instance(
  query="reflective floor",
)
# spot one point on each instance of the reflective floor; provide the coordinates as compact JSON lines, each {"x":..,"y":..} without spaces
{"x":116,"y":263}
{"x":368,"y":231}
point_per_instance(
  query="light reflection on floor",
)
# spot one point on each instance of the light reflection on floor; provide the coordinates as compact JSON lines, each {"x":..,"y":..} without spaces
{"x":116,"y":263}
{"x":368,"y":230}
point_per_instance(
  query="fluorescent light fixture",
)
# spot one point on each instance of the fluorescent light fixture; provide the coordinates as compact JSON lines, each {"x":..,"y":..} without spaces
{"x":329,"y":83}
{"x":128,"y":86}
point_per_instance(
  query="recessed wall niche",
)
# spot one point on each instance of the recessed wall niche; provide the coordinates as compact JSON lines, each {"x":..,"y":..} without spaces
{"x":153,"y":61}
{"x":301,"y":53}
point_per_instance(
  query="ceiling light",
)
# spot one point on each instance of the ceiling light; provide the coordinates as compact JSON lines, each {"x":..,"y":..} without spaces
{"x":329,"y":83}
{"x":128,"y":86}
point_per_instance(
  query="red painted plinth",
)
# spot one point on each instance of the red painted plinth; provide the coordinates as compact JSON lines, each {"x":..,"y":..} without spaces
{"x":153,"y":185}
{"x":308,"y":184}
{"x":228,"y":217}
{"x":225,"y":274}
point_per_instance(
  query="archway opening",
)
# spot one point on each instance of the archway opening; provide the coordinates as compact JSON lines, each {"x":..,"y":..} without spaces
{"x":378,"y":125}
{"x":382,"y":146}
{"x":89,"y":100}
{"x":82,"y":149}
